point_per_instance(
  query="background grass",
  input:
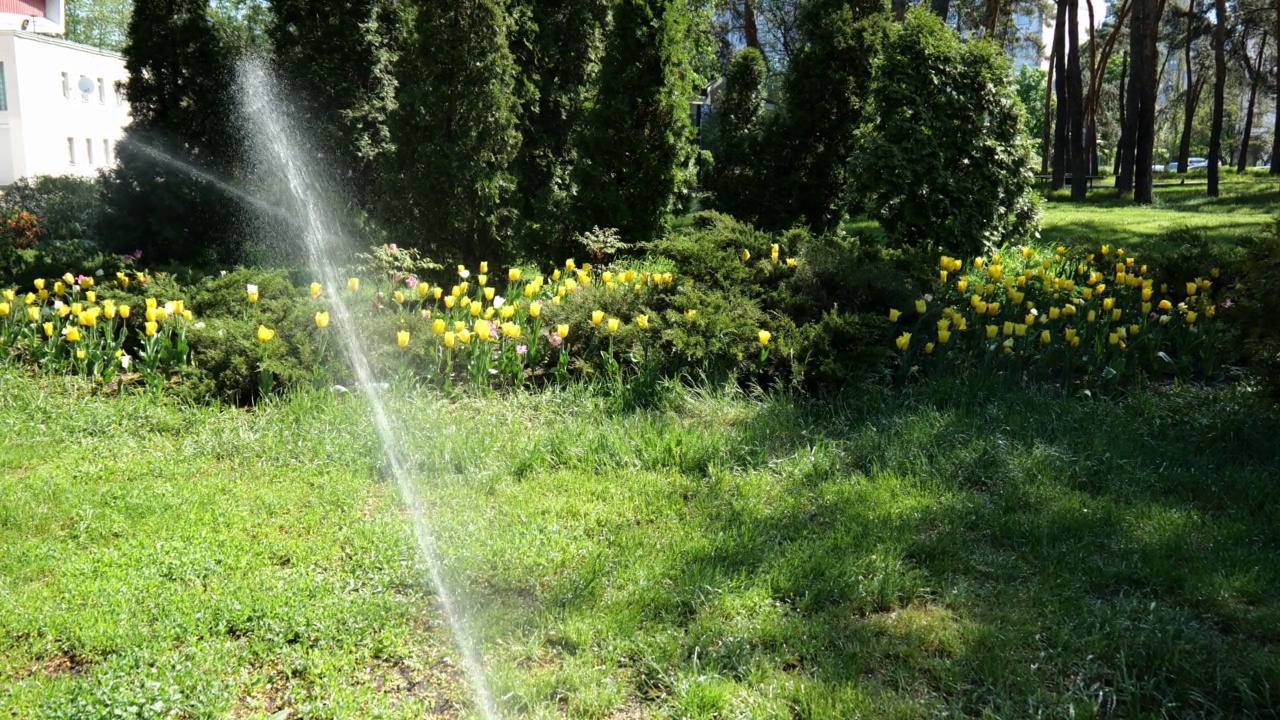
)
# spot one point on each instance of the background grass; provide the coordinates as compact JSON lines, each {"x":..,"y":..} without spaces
{"x":1244,"y":207}
{"x":882,"y":553}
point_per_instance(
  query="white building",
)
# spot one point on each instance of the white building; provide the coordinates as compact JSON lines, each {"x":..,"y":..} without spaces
{"x":62,"y":106}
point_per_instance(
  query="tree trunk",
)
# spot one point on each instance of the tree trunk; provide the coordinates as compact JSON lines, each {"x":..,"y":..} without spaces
{"x":1275,"y":132}
{"x":941,"y":8}
{"x":899,"y":10}
{"x":1255,"y":79}
{"x":1193,"y":95}
{"x":1075,"y":99}
{"x":1062,"y":124}
{"x":1126,"y":139}
{"x":993,"y":17}
{"x":1046,"y":137}
{"x":1219,"y":92}
{"x":1145,"y":81}
{"x":1133,"y":98}
{"x":1193,"y":102}
{"x":750,"y":29}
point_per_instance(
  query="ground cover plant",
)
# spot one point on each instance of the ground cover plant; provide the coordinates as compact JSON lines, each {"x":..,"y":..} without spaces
{"x":879,"y":553}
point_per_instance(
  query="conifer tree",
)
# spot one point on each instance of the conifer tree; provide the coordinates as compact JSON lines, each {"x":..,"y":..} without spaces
{"x":179,"y":92}
{"x":736,"y":175}
{"x":338,"y":58}
{"x":556,"y":44}
{"x":449,"y":186}
{"x":636,"y":152}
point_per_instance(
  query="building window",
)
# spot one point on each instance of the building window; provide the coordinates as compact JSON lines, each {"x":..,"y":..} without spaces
{"x":71,"y":150}
{"x":102,"y":92}
{"x":66,"y":86}
{"x":119,"y":92}
{"x":106,"y":152}
{"x":4,"y":96}
{"x":88,"y":151}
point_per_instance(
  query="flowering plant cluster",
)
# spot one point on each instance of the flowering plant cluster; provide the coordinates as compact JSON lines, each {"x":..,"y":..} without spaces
{"x":1085,"y":316}
{"x":22,"y":229}
{"x":63,"y":325}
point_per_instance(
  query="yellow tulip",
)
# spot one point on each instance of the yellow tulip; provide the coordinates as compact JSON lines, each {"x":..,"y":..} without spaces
{"x":597,"y":316}
{"x":30,"y":298}
{"x":1108,"y":303}
{"x":511,"y":330}
{"x":88,"y":319}
{"x":153,"y":314}
{"x":978,"y":263}
{"x":72,"y":334}
{"x":33,"y":313}
{"x":91,"y":297}
{"x":928,"y":348}
{"x":562,"y":331}
{"x":962,"y":285}
{"x":464,"y":337}
{"x":568,"y":264}
{"x":124,"y":312}
{"x":791,"y":262}
{"x":264,"y":333}
{"x":1020,"y":329}
{"x":1044,"y":337}
{"x":322,"y":320}
{"x":4,"y":309}
{"x":402,"y":338}
{"x":944,"y":336}
{"x":507,"y":312}
{"x":535,"y":309}
{"x":690,"y":314}
{"x":991,"y":331}
{"x":921,"y":306}
{"x":1008,"y":327}
{"x":1191,"y":288}
{"x":80,"y":354}
{"x":607,"y":276}
{"x":484,"y":266}
{"x":1113,"y":339}
{"x":436,"y":292}
{"x":422,"y":289}
{"x":612,"y":324}
{"x":449,"y":338}
{"x":450,"y":301}
{"x":353,"y":284}
{"x":1191,"y":317}
{"x":1026,"y":252}
{"x":903,"y":341}
{"x":746,"y":255}
{"x":642,"y":321}
{"x":437,"y":326}
{"x":39,"y":283}
{"x":1054,"y":313}
{"x":1115,"y":315}
{"x":513,"y":274}
{"x":894,"y":315}
{"x":488,"y":294}
{"x":482,"y":279}
{"x":48,"y":329}
{"x":151,"y":328}
{"x":59,"y":288}
{"x":315,"y":290}
{"x":476,"y":309}
{"x":1092,"y":316}
{"x":398,"y":297}
{"x":1165,"y":305}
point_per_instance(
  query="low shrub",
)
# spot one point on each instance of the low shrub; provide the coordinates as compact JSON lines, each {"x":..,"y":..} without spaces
{"x":1259,"y":306}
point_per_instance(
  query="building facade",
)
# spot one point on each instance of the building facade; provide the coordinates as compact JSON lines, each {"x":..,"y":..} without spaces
{"x":62,"y":105}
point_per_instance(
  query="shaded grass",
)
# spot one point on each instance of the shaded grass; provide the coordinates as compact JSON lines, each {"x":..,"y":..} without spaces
{"x":162,"y":561}
{"x":872,"y":556}
{"x":881,"y":553}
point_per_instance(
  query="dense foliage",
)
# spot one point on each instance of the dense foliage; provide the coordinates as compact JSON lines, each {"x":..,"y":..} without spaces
{"x":943,"y":162}
{"x":735,"y":179}
{"x":180,"y":99}
{"x":635,"y":147}
{"x":339,"y":57}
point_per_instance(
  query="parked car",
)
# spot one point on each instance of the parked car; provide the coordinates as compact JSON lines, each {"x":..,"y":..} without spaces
{"x":1194,"y":163}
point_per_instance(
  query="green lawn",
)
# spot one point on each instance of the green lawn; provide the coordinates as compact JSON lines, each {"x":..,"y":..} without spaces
{"x":880,"y":553}
{"x":1243,"y":209}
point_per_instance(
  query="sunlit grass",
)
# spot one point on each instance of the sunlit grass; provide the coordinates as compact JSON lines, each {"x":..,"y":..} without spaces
{"x":946,"y":549}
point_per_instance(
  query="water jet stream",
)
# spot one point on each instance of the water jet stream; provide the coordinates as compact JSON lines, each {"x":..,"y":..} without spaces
{"x":206,"y":176}
{"x":283,"y":148}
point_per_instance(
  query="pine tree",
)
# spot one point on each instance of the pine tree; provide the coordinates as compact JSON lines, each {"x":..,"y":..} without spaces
{"x":449,"y":187}
{"x":556,"y":44}
{"x":636,"y":152}
{"x":736,"y":178}
{"x":826,"y":92}
{"x":180,"y":99}
{"x":338,"y":57}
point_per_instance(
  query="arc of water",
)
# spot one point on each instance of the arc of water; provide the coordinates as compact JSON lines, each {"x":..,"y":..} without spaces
{"x":274,"y":137}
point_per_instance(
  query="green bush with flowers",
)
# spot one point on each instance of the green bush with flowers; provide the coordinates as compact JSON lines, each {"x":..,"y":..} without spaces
{"x":1080,"y":317}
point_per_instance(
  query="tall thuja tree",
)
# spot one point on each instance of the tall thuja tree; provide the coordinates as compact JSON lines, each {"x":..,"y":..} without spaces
{"x":636,"y":151}
{"x":736,"y":175}
{"x":944,"y":157}
{"x":338,"y":56}
{"x":826,"y":93}
{"x":556,"y":45}
{"x":449,"y":187}
{"x":179,"y":92}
